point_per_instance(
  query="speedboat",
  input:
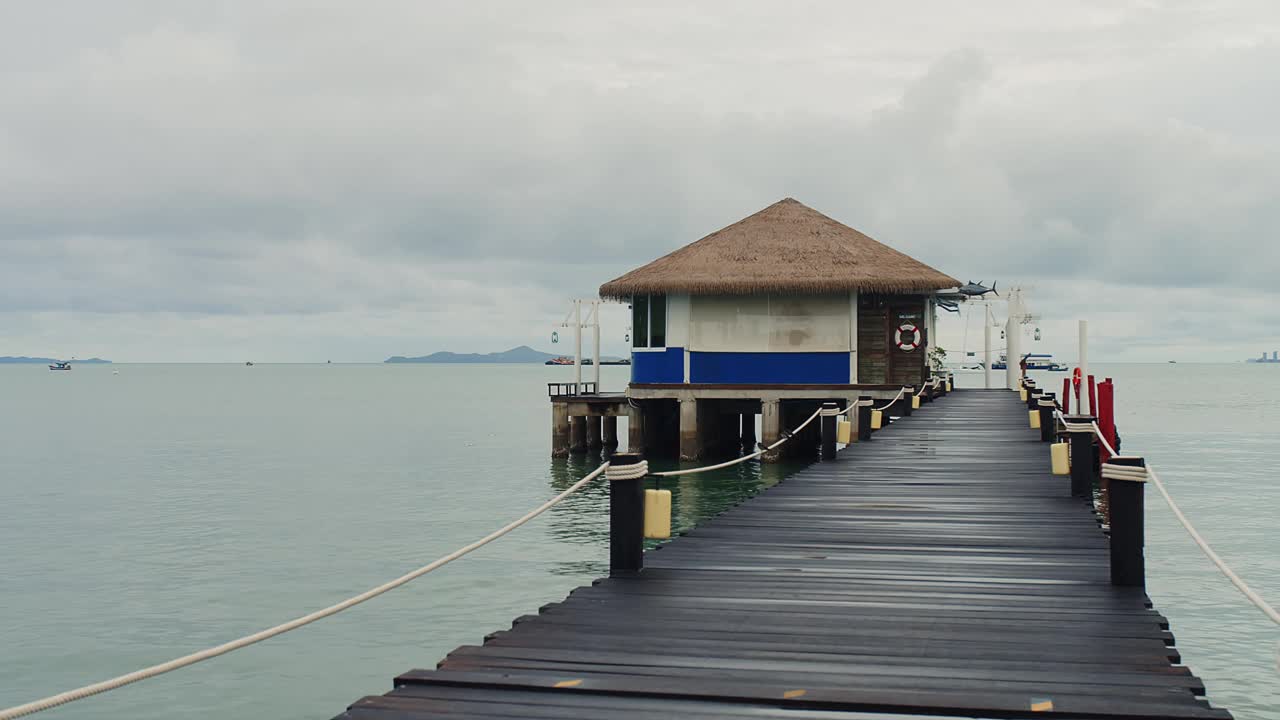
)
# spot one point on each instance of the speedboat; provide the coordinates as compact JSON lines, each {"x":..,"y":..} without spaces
{"x":60,"y":365}
{"x":1035,"y":361}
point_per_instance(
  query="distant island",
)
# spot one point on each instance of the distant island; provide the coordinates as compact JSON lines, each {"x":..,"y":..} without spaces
{"x":522,"y":354}
{"x":17,"y":359}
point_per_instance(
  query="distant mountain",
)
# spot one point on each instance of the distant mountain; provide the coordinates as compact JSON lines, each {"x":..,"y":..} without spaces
{"x":522,"y":354}
{"x":12,"y":360}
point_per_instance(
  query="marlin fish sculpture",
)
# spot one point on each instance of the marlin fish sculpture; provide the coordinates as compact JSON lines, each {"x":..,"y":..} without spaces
{"x":977,"y":289}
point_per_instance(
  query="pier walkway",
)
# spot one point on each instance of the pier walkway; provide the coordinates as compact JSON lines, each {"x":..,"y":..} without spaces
{"x":937,"y":570}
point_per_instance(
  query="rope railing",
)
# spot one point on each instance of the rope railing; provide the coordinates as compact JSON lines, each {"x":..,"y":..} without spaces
{"x":786,"y":436}
{"x":895,"y":399}
{"x":1150,"y":473}
{"x":186,"y":660}
{"x":735,"y":461}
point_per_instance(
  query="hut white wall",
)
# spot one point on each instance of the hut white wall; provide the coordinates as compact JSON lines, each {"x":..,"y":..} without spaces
{"x":774,"y":324}
{"x":770,"y":339}
{"x":678,"y":321}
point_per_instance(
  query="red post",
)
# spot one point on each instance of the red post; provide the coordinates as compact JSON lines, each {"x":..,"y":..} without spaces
{"x":1066,"y":396}
{"x":1107,"y":414}
{"x":1093,"y":398}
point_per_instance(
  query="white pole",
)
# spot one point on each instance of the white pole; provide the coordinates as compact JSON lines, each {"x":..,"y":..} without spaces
{"x":1012,"y":335}
{"x":595,"y":326}
{"x":986,"y":345}
{"x":1083,"y":365}
{"x":577,"y":344}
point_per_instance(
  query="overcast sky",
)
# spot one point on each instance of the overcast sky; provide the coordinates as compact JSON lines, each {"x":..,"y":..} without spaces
{"x":302,"y":181}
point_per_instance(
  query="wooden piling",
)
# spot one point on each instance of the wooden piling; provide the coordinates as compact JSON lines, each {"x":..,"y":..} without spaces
{"x":577,"y":435}
{"x":689,"y":440}
{"x":594,"y":436}
{"x":770,"y":427}
{"x":1081,"y":440}
{"x":635,"y":430}
{"x":829,"y":430}
{"x":1128,"y":566}
{"x":864,"y":418}
{"x":610,"y":434}
{"x":626,"y":519}
{"x":1047,"y":406}
{"x":559,"y":430}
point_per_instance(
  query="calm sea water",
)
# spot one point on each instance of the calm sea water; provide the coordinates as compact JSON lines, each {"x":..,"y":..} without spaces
{"x":166,"y":508}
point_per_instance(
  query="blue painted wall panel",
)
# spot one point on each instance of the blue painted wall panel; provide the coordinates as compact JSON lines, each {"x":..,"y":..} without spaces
{"x":765,"y":367}
{"x":658,"y":367}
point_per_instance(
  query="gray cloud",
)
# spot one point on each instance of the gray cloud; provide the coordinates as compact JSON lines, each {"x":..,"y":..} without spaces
{"x":208,"y":168}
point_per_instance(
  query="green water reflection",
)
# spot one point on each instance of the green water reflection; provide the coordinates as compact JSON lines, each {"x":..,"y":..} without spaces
{"x":583,"y":517}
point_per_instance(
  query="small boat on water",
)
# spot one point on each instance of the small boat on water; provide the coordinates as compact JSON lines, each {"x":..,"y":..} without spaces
{"x":564,"y":360}
{"x":60,"y":365}
{"x":1035,"y":361}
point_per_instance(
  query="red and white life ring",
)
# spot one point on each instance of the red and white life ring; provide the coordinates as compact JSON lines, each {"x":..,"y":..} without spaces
{"x":913,"y":340}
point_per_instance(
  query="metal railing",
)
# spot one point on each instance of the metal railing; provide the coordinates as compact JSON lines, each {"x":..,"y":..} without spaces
{"x":563,"y":389}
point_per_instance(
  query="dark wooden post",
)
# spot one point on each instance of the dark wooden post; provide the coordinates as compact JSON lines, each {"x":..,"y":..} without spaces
{"x":1047,"y":406}
{"x":828,"y":419}
{"x":577,"y":435}
{"x":610,"y":433}
{"x":1081,"y":455}
{"x":626,"y":516}
{"x":595,"y":438}
{"x":1128,"y":567}
{"x":864,"y":418}
{"x":1033,"y":397}
{"x":907,"y":393}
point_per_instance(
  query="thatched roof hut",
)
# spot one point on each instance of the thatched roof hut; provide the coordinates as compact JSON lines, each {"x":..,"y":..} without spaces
{"x":786,"y":248}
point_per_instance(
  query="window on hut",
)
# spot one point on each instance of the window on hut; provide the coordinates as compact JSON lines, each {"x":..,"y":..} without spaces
{"x":649,"y":321}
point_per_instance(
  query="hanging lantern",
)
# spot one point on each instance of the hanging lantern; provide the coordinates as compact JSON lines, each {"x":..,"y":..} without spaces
{"x":555,"y":337}
{"x":1037,"y":334}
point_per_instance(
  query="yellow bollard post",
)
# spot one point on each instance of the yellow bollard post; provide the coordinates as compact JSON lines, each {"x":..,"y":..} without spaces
{"x":844,"y":432}
{"x":657,"y":514}
{"x":1058,"y":459}
{"x":1022,"y":394}
{"x":877,"y":418}
{"x":1035,"y":419}
{"x":915,"y":402}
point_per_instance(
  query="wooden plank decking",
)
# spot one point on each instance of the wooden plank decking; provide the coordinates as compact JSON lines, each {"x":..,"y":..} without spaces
{"x":938,"y":570}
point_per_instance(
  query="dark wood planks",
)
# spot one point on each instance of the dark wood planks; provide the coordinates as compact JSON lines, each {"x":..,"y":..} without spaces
{"x":938,"y":570}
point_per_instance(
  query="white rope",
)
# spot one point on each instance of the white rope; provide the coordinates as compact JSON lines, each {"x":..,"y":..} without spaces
{"x":735,"y":461}
{"x":149,"y":672}
{"x":895,"y":399}
{"x":1131,"y":473}
{"x":758,"y":453}
{"x":1070,"y":426}
{"x":627,"y":472}
{"x":1235,"y":579}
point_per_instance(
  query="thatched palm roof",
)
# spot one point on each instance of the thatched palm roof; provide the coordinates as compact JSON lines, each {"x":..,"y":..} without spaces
{"x":786,"y":248}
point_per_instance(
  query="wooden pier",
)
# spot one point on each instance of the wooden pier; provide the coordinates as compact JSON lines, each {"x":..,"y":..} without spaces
{"x":937,"y":570}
